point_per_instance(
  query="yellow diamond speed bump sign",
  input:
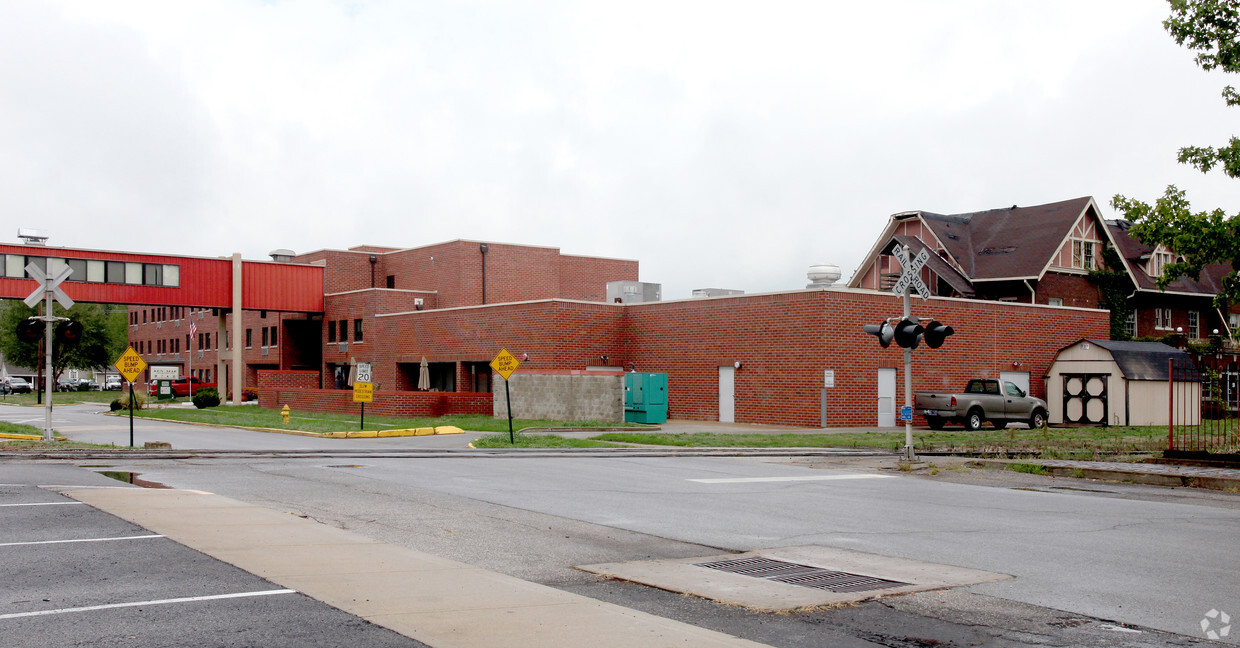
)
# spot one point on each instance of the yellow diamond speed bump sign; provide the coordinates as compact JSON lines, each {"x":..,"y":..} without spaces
{"x":505,"y":363}
{"x":131,"y":365}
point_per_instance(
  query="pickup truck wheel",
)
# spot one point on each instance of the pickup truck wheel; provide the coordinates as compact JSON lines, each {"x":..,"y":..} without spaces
{"x":1038,"y":420}
{"x":973,"y":420}
{"x":935,"y":422}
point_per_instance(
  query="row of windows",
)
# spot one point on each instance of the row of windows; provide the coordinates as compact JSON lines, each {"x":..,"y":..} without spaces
{"x":97,"y":270}
{"x":339,"y":331}
{"x":269,"y":337}
{"x":1162,"y":321}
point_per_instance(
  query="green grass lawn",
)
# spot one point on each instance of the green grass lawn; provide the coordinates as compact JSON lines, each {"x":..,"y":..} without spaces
{"x":1067,"y":442}
{"x":1063,"y":442}
{"x":59,"y":398}
{"x":254,"y":416}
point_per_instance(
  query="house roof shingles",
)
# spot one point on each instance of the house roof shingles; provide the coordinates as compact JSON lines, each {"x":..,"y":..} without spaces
{"x":1000,"y":243}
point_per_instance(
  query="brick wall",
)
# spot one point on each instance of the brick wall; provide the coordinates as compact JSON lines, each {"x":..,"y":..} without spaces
{"x":785,"y":342}
{"x":563,"y":395}
{"x":297,"y":389}
{"x":1074,"y":290}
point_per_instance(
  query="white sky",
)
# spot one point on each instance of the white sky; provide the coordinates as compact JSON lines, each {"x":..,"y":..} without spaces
{"x":721,"y":144}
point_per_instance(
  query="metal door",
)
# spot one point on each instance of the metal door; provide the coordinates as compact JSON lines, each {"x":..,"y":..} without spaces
{"x":886,"y":398}
{"x":727,"y":394}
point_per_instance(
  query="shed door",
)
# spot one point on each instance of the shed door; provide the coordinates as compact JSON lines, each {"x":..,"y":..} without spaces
{"x":886,"y":398}
{"x":1085,"y":398}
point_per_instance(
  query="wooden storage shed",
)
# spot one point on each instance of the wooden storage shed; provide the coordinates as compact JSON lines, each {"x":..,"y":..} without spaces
{"x":1106,"y":382}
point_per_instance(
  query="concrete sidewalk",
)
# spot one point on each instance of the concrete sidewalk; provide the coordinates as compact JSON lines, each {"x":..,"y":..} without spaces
{"x":1224,"y":479}
{"x":439,"y":602}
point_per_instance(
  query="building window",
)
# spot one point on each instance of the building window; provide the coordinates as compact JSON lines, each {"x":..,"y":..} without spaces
{"x":1130,"y":323}
{"x":1054,"y":301}
{"x":264,"y":336}
{"x":357,"y":330}
{"x":1083,"y":254}
{"x":273,"y":336}
{"x":249,"y":338}
{"x":391,"y":281}
{"x":344,"y":330}
{"x":1233,"y":320}
{"x":331,"y":331}
{"x":1194,"y":324}
{"x":1162,"y":318}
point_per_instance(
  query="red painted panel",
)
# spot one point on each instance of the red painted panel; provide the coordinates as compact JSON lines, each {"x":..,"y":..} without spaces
{"x":281,"y":287}
{"x":205,"y":283}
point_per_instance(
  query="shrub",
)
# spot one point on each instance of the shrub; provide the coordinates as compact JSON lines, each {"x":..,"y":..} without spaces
{"x":139,"y":401}
{"x":206,"y":397}
{"x":249,"y":394}
{"x":115,"y":404}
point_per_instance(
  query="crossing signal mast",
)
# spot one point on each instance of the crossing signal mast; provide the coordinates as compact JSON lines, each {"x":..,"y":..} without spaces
{"x":908,"y":332}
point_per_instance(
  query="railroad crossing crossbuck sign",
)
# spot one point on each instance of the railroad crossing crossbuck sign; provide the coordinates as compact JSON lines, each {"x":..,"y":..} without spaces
{"x":47,"y":283}
{"x":910,"y":277}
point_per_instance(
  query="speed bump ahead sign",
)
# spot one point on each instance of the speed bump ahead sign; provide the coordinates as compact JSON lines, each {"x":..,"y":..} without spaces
{"x":130,"y":364}
{"x":505,"y":363}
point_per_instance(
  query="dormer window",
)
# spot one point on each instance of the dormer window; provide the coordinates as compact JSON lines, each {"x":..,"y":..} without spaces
{"x":1159,"y":261}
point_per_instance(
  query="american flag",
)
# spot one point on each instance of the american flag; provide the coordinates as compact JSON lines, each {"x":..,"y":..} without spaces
{"x":193,"y":330}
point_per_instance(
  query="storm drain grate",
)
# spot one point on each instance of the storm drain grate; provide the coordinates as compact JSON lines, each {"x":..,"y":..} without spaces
{"x":803,"y":575}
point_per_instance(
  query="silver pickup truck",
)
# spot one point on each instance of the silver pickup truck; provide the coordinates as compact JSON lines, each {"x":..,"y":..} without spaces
{"x":981,"y":401}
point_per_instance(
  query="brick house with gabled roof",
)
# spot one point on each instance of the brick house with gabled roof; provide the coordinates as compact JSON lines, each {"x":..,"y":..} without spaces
{"x":1043,"y":254}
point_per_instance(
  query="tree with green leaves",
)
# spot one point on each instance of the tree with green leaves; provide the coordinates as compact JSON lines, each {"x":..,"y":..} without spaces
{"x":1211,"y":28}
{"x":101,"y":343}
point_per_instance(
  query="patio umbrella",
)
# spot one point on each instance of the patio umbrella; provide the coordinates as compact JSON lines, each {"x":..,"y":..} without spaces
{"x":424,"y":375}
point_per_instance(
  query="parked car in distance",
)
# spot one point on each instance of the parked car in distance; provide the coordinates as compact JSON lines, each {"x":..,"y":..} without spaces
{"x":112,"y":383}
{"x":67,"y":385}
{"x":16,"y":385}
{"x":981,"y":401}
{"x":181,"y":386}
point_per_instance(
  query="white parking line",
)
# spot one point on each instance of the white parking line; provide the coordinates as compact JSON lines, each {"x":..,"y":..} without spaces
{"x":112,"y":606}
{"x":746,"y":480}
{"x":41,"y":504}
{"x":44,"y":542}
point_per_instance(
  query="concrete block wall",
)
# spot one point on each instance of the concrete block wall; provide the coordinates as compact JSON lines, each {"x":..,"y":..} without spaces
{"x":562,"y":395}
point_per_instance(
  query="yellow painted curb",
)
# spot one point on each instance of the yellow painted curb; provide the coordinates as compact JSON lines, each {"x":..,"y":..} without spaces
{"x":27,"y":437}
{"x":351,"y":434}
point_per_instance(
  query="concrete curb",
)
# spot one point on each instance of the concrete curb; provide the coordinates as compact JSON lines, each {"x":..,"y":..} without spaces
{"x":359,"y":434}
{"x":1208,"y":478}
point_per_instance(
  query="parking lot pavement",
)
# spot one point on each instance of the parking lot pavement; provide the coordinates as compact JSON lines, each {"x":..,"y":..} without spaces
{"x":74,"y":575}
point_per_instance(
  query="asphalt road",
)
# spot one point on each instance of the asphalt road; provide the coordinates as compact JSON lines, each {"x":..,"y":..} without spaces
{"x":1091,"y":568}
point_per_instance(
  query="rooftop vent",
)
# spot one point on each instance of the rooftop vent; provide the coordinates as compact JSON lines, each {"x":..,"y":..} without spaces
{"x":823,"y":275}
{"x":32,"y":236}
{"x":282,"y":255}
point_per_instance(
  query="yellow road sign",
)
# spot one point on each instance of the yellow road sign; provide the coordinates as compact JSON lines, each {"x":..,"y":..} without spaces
{"x":505,"y":363}
{"x":363,"y":392}
{"x":130,"y":364}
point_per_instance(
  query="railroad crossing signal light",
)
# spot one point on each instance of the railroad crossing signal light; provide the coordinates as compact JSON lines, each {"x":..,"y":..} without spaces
{"x":68,"y":331}
{"x":908,"y":333}
{"x":884,"y":332}
{"x":936,"y":332}
{"x":30,"y":331}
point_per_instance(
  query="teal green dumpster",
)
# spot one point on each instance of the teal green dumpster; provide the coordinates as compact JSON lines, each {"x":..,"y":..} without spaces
{"x":645,"y":397}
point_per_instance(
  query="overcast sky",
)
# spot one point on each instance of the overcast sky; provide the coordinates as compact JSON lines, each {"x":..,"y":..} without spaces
{"x":721,"y":144}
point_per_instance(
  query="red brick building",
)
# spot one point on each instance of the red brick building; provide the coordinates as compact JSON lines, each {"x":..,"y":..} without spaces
{"x":791,"y":358}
